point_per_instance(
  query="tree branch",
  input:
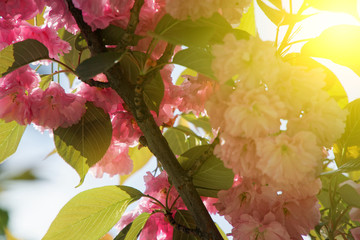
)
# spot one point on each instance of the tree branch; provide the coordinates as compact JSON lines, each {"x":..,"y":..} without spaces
{"x":155,"y":140}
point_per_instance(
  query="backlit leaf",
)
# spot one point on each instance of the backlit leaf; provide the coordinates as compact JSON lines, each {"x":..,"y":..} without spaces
{"x":199,"y":33}
{"x":10,"y":136}
{"x":84,"y":144}
{"x":22,"y":53}
{"x":211,"y":176}
{"x":347,"y":147}
{"x":97,"y":64}
{"x":92,"y":213}
{"x":349,"y":195}
{"x":137,"y":225}
{"x":140,"y":158}
{"x":346,"y":6}
{"x":196,"y":59}
{"x":154,"y":92}
{"x":248,"y":21}
{"x":176,"y":140}
{"x":339,"y":44}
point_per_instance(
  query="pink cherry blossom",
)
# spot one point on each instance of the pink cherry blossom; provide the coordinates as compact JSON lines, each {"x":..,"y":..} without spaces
{"x":57,"y":16}
{"x":9,"y":32}
{"x":46,"y":36}
{"x":125,"y":128}
{"x":21,"y":9}
{"x":106,"y":98}
{"x":54,"y":108}
{"x":355,"y":232}
{"x":266,"y":228}
{"x":195,"y":91}
{"x":115,"y":161}
{"x":15,"y":88}
{"x":289,"y":159}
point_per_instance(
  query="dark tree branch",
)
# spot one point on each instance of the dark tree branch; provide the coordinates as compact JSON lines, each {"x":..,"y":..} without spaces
{"x":93,"y":83}
{"x":154,"y":138}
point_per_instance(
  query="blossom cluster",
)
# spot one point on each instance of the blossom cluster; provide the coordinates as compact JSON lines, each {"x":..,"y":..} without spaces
{"x":22,"y":99}
{"x":274,"y":121}
{"x":158,"y":226}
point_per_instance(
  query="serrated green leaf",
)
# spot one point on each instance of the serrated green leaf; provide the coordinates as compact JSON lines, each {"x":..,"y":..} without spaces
{"x":347,"y":147}
{"x":154,"y":93}
{"x":199,"y":33}
{"x":73,"y":57}
{"x":349,"y":195}
{"x":92,"y":213}
{"x":176,"y":140}
{"x":137,"y":225}
{"x":212,"y":176}
{"x":20,"y":54}
{"x":280,"y":17}
{"x":45,"y":81}
{"x":10,"y":136}
{"x":112,"y":35}
{"x":196,"y":59}
{"x":338,"y":43}
{"x":140,"y":158}
{"x":346,"y":6}
{"x":97,"y":64}
{"x":201,"y":122}
{"x":247,"y":22}
{"x":84,"y":144}
{"x":123,"y":232}
{"x":130,"y":65}
{"x":184,"y":218}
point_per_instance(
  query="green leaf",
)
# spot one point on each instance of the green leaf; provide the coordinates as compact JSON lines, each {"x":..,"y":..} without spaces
{"x":113,"y":35}
{"x":45,"y":81}
{"x":22,"y":53}
{"x":184,"y":218}
{"x":97,"y":64}
{"x":154,"y":92}
{"x":201,"y":122}
{"x":349,"y":195}
{"x":338,"y":43}
{"x":346,"y":6}
{"x":4,"y":220}
{"x":348,"y":146}
{"x":72,"y":58}
{"x":130,"y":65}
{"x":280,"y":17}
{"x":212,"y":176}
{"x":80,"y":43}
{"x":197,"y":59}
{"x":247,"y":23}
{"x":92,"y":213}
{"x":123,"y":232}
{"x":10,"y":136}
{"x":137,"y":225}
{"x":140,"y":158}
{"x":199,"y":33}
{"x":187,"y":71}
{"x":176,"y":140}
{"x":84,"y":144}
